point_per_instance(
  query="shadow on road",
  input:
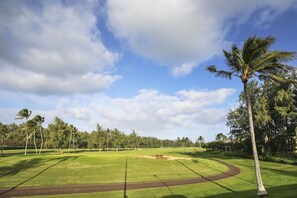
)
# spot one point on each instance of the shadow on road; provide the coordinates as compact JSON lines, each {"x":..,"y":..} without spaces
{"x":205,"y":177}
{"x":165,"y":184}
{"x":125,"y":183}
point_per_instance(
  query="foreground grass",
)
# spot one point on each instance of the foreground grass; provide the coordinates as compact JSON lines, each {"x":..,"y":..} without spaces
{"x":98,"y":167}
{"x":52,"y":169}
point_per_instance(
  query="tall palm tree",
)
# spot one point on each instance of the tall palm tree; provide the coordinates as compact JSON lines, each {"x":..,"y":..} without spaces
{"x":71,"y":138}
{"x":24,"y":113}
{"x":255,"y":60}
{"x":31,"y":125}
{"x":3,"y":134}
{"x":200,"y":140}
{"x":38,"y":120}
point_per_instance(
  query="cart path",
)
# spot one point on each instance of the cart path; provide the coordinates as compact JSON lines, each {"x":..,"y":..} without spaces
{"x":91,"y":188}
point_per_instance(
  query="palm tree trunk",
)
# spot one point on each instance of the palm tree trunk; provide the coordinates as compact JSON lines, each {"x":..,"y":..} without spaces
{"x":261,"y":188}
{"x":35,"y":141}
{"x":70,"y":141}
{"x":2,"y":142}
{"x":41,"y":143}
{"x":27,"y":139}
{"x":73,"y":143}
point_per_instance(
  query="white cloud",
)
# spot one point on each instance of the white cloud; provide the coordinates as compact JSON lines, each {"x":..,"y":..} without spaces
{"x":31,"y":82}
{"x":184,"y":33}
{"x":149,"y":112}
{"x":51,"y":46}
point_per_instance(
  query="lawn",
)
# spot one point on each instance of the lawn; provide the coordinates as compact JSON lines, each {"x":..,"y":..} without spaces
{"x":101,"y":167}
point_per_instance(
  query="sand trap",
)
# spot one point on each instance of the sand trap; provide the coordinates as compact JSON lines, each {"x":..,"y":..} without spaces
{"x":165,"y":157}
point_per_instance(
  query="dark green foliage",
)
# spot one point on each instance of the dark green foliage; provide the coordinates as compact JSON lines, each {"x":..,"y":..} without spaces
{"x":60,"y":135}
{"x":274,"y":108}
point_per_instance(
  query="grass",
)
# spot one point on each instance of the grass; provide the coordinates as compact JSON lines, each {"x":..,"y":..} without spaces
{"x":95,"y":167}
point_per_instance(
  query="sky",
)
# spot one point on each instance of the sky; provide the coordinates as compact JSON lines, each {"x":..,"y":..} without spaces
{"x":131,"y":65}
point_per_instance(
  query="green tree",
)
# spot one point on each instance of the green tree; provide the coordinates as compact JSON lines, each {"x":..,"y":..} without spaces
{"x":24,"y":114}
{"x":58,"y":134}
{"x":200,"y":140}
{"x":38,"y":120}
{"x":221,"y":137}
{"x":254,"y":60}
{"x":72,"y":135}
{"x":134,"y":139}
{"x":185,"y":141}
{"x":3,"y":134}
{"x":31,"y":126}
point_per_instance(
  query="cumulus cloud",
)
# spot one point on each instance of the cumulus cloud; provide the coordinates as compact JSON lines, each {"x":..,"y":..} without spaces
{"x":149,"y":112}
{"x":181,"y":34}
{"x":50,"y":45}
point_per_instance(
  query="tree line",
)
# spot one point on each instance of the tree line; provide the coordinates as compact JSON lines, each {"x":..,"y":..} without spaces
{"x":274,"y":106}
{"x":62,"y":136}
{"x":255,"y":60}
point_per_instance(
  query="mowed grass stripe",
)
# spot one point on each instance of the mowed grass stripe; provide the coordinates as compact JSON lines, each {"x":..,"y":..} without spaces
{"x":97,"y":167}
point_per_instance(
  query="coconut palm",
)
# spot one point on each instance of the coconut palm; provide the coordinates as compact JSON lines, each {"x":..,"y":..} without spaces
{"x":38,"y":121}
{"x":31,"y":125}
{"x":24,"y":114}
{"x":73,"y":130}
{"x":200,"y":140}
{"x":3,"y":134}
{"x":255,"y":60}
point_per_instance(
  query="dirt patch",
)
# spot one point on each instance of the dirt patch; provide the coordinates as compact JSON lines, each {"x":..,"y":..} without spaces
{"x":165,"y":157}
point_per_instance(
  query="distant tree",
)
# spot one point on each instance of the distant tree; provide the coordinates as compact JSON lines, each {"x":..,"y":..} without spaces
{"x":200,"y":140}
{"x":134,"y":139}
{"x":221,"y":137}
{"x":255,"y":60}
{"x":31,"y":126}
{"x":72,"y":135}
{"x":24,"y":114}
{"x":38,"y":121}
{"x":58,"y":134}
{"x":185,"y":141}
{"x":3,"y":134}
{"x":108,"y":137}
{"x":82,"y":139}
{"x":99,"y":139}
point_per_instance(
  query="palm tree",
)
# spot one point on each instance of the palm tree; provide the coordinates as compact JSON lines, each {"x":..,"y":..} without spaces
{"x":185,"y":141}
{"x":31,"y":125}
{"x":24,"y":113}
{"x":200,"y":140}
{"x":71,"y":138}
{"x":3,"y":133}
{"x":255,"y":60}
{"x":38,"y":121}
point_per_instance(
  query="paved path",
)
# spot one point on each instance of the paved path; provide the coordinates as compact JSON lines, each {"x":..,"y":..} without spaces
{"x":90,"y":188}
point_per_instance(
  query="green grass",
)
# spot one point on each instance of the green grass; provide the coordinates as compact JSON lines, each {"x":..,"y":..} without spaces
{"x":95,"y":167}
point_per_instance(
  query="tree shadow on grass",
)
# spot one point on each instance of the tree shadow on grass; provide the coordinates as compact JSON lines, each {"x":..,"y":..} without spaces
{"x":236,"y":176}
{"x":16,"y":168}
{"x":165,"y":184}
{"x":292,"y":173}
{"x":285,"y":191}
{"x":20,"y":166}
{"x":226,"y":188}
{"x":211,"y":156}
{"x":174,"y":196}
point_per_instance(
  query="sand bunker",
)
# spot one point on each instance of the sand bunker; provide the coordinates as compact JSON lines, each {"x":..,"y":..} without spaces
{"x":165,"y":157}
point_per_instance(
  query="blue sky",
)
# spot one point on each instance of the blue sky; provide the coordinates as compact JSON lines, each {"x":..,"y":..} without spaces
{"x":131,"y":65}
